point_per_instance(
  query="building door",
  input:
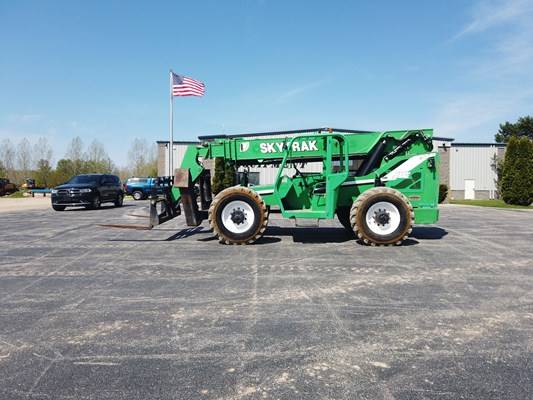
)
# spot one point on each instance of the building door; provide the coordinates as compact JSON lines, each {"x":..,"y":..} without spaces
{"x":470,"y":189}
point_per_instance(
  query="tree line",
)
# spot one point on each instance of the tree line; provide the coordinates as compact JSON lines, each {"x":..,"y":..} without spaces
{"x":24,"y":160}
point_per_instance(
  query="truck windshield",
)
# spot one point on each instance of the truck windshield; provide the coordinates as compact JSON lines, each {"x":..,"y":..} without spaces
{"x":89,"y":179}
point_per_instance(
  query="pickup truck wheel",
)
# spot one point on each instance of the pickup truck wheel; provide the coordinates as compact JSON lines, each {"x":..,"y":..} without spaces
{"x":58,"y":208}
{"x":382,"y":216}
{"x":137,"y":195}
{"x":119,"y":201}
{"x":96,"y":203}
{"x":238,"y":215}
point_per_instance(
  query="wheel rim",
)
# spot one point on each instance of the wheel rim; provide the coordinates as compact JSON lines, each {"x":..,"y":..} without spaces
{"x":238,"y":216}
{"x":137,"y":196}
{"x":97,"y":202}
{"x":383,"y":218}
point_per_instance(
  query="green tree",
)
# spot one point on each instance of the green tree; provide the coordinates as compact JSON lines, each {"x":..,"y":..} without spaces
{"x":97,"y":167}
{"x":522,"y":127}
{"x":497,"y":166}
{"x":142,"y":158}
{"x":218,"y":177}
{"x":43,"y":174}
{"x":65,"y":170}
{"x":24,"y":158}
{"x":224,"y":176}
{"x":3,"y":170}
{"x":75,"y":155}
{"x":97,"y":160}
{"x":229,"y":175}
{"x":517,"y":172}
{"x":8,"y":156}
{"x":42,"y":151}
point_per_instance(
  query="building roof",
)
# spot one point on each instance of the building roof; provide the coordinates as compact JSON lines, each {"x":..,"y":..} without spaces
{"x":479,"y":144}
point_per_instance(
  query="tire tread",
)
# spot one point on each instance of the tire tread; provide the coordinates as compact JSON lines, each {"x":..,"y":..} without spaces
{"x":242,"y":190}
{"x":360,"y":201}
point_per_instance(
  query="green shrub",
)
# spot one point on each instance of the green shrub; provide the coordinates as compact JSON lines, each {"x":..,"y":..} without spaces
{"x":443,"y":192}
{"x":224,"y":176}
{"x":218,"y":176}
{"x":229,"y":175}
{"x":517,"y":172}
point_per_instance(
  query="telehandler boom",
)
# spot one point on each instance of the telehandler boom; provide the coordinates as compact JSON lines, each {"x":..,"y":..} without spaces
{"x":378,"y":184}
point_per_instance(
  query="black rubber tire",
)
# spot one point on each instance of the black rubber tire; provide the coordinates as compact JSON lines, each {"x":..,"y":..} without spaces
{"x":137,"y":195}
{"x":120,"y":200}
{"x":59,"y":208}
{"x":253,"y":200}
{"x":96,"y":203}
{"x":343,"y":215}
{"x":372,"y":196}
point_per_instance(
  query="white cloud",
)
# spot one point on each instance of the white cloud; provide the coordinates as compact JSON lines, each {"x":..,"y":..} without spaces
{"x":507,"y":30}
{"x":471,"y":113}
{"x":499,"y":71}
{"x":301,"y":89}
{"x":490,"y":14}
{"x":23,"y":118}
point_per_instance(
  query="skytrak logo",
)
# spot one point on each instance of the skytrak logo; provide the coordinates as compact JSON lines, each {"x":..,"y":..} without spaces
{"x":277,"y":147}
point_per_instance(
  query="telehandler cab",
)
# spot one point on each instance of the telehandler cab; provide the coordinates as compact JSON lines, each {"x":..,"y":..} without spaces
{"x":378,"y":184}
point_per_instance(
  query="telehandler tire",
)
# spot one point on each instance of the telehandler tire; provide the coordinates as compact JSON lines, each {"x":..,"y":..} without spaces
{"x":238,"y":215}
{"x":382,"y":216}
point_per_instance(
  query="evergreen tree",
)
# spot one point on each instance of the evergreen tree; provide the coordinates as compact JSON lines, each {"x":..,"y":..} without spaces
{"x":229,"y":175}
{"x":224,"y":176}
{"x":517,"y":172}
{"x":522,"y":127}
{"x":218,"y":177}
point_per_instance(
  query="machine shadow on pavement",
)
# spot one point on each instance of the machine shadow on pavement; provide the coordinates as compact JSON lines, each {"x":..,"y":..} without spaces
{"x":298,"y":234}
{"x":181,"y":234}
{"x":311,"y":235}
{"x":428,"y":232}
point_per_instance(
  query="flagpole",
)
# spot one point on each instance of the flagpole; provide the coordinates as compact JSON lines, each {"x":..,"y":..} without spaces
{"x":171,"y":127}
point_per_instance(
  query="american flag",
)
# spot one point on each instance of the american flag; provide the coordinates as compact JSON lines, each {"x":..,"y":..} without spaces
{"x":184,"y":86}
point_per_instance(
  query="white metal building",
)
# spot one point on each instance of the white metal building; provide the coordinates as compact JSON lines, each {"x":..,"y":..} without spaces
{"x":472,"y":172}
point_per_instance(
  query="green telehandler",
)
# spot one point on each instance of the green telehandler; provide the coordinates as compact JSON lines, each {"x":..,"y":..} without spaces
{"x":378,"y":184}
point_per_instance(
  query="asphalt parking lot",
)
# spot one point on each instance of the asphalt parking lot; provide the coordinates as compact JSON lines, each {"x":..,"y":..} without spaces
{"x":88,"y":312}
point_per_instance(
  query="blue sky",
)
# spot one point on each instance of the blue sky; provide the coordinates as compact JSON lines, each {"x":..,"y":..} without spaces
{"x":99,"y":69}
